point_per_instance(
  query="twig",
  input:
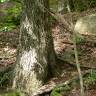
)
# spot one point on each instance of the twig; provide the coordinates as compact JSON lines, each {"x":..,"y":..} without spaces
{"x":76,"y":53}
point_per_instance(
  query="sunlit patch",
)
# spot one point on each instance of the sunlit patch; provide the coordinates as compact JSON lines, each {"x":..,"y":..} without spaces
{"x":28,"y":59}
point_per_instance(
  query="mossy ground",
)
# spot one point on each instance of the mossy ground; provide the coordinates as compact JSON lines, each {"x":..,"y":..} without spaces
{"x":12,"y":93}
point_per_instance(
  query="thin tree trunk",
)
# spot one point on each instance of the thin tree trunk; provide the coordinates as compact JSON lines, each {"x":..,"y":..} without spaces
{"x":35,"y":51}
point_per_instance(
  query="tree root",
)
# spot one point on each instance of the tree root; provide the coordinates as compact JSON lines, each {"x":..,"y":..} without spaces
{"x":46,"y":89}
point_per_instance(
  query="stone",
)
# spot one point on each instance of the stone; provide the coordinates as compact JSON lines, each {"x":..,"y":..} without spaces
{"x":86,"y":25}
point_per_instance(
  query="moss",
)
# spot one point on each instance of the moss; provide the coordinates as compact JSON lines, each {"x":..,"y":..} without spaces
{"x":7,"y":27}
{"x":12,"y":18}
{"x":12,"y":93}
{"x":90,"y":79}
{"x":54,"y":93}
{"x":59,"y":89}
{"x":13,"y":14}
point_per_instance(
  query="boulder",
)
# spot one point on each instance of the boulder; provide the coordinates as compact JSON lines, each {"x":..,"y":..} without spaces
{"x":86,"y":25}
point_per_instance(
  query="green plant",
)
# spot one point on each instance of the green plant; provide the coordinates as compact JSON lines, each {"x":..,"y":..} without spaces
{"x":79,"y":38}
{"x":5,"y":78}
{"x":90,"y":79}
{"x":12,"y":93}
{"x":57,"y":90}
{"x":1,"y":1}
{"x":12,"y":18}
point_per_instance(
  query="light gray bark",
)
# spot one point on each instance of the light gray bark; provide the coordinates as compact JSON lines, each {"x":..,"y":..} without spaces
{"x":35,"y":47}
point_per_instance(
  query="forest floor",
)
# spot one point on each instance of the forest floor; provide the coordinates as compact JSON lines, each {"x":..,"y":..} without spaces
{"x":64,"y":48}
{"x":8,"y":48}
{"x":86,"y":47}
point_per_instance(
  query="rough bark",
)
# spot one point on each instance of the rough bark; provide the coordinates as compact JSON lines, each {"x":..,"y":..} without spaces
{"x":35,"y":51}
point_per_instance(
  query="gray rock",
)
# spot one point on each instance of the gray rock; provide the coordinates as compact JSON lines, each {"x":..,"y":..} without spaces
{"x":86,"y":25}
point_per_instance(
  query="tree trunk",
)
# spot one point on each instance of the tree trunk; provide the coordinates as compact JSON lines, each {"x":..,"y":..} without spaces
{"x":35,"y":52}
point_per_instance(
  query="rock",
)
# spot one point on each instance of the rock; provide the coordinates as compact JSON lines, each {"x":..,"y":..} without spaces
{"x":86,"y":25}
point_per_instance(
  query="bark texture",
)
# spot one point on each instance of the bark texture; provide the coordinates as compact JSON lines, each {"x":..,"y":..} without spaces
{"x":35,"y":51}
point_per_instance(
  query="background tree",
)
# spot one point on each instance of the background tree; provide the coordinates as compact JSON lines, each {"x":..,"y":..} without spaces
{"x":35,"y":53}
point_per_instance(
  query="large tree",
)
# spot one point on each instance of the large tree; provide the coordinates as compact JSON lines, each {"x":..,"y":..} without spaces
{"x":35,"y":52}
